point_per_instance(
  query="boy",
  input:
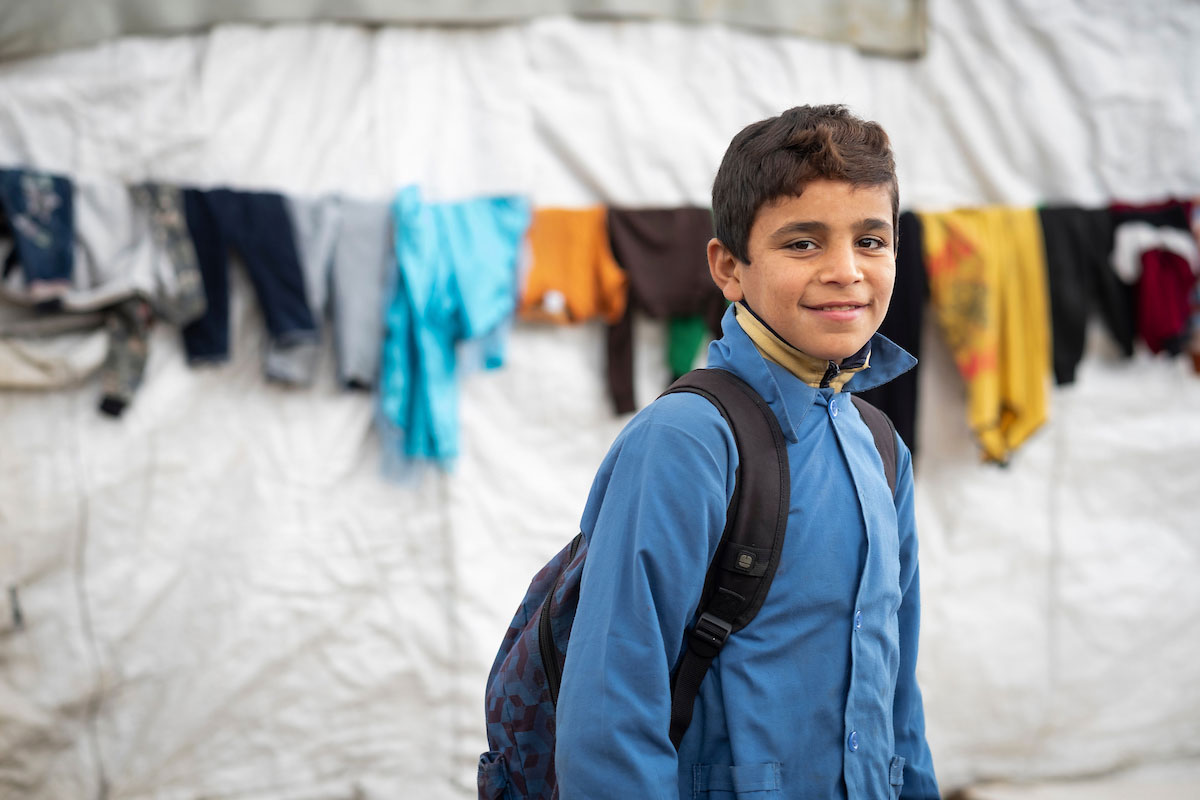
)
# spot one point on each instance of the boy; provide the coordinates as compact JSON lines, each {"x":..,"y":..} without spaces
{"x":817,"y":696}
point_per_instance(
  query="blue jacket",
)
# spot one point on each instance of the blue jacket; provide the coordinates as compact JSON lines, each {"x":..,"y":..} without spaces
{"x":817,"y":696}
{"x":456,"y":265}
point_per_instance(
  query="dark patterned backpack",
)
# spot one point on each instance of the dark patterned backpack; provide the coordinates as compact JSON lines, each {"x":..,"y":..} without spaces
{"x":522,"y":689}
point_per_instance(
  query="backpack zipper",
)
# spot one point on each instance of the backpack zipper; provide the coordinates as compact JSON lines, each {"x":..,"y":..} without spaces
{"x":546,"y":634}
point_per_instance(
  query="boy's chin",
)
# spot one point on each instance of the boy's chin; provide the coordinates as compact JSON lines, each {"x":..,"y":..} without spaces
{"x":839,"y":353}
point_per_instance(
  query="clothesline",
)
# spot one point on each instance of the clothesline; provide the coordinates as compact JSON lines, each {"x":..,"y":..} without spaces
{"x":404,"y":282}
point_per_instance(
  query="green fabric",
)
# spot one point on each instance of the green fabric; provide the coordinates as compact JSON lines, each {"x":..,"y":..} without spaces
{"x":685,"y":337}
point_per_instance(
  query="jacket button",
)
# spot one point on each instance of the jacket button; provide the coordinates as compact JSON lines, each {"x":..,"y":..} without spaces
{"x":857,"y":620}
{"x":832,"y":408}
{"x":852,"y":741}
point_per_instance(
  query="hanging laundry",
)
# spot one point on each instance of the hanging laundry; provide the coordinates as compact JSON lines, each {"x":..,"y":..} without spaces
{"x":1165,"y":214}
{"x":133,"y":242}
{"x":686,"y":336}
{"x":1174,"y":214}
{"x":1194,"y":218}
{"x":134,"y":247}
{"x":39,"y":211}
{"x":664,"y":253}
{"x":1078,"y":244}
{"x":49,"y":351}
{"x":1161,"y":262}
{"x":256,"y":225}
{"x":345,"y":248}
{"x":987,"y":282}
{"x":1193,"y":346}
{"x":573,"y":276}
{"x":1194,"y":339}
{"x":905,"y":317}
{"x":178,"y":295}
{"x":128,"y":328}
{"x":132,"y":260}
{"x":456,"y":265}
{"x":316,"y":222}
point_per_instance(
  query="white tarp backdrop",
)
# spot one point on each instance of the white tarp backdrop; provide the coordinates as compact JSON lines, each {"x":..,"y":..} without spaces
{"x":222,"y":598}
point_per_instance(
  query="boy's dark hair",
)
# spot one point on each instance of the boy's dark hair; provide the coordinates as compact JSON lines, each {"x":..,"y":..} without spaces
{"x":777,"y":157}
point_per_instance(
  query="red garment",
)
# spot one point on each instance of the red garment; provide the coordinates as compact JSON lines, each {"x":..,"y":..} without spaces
{"x":1164,"y":300}
{"x":1153,"y":252}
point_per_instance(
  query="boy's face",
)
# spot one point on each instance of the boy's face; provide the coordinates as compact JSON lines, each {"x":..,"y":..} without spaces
{"x":822,"y":266}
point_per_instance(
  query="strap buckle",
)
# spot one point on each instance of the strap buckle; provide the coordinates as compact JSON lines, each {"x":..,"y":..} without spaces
{"x":709,"y":635}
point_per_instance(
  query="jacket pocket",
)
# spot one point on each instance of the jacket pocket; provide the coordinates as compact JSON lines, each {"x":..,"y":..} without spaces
{"x":492,"y":779}
{"x":751,"y":781}
{"x":896,"y":776}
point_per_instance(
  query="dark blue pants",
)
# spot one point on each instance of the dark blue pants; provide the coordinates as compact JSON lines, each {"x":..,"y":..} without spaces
{"x":256,"y":225}
{"x":39,"y":212}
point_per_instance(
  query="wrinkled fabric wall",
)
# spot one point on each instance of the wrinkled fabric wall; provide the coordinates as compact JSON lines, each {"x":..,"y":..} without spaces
{"x":222,"y":597}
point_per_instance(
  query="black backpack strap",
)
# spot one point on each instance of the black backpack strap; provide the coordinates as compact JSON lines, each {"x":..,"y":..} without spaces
{"x":755,"y":523}
{"x":884,"y":434}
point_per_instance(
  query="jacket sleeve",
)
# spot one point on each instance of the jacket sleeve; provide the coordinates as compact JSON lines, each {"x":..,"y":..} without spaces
{"x":908,"y":716}
{"x":654,"y":518}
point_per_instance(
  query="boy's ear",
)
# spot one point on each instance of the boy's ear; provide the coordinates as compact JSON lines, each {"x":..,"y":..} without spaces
{"x":725,"y":270}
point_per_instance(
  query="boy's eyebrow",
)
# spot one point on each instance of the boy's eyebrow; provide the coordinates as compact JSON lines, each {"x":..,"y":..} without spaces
{"x":875,"y":224}
{"x":868,"y":224}
{"x":801,"y":227}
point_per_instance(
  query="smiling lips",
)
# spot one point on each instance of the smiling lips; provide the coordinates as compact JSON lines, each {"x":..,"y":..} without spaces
{"x":840,"y":312}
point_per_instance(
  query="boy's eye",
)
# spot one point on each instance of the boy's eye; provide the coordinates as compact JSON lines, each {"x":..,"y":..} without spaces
{"x":872,"y":243}
{"x":803,"y":244}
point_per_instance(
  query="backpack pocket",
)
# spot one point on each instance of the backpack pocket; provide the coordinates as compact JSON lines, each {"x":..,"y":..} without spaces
{"x":748,"y":781}
{"x":492,"y":779}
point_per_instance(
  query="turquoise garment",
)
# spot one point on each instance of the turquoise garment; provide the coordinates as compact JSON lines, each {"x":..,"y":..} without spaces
{"x":456,"y":281}
{"x":815,"y":699}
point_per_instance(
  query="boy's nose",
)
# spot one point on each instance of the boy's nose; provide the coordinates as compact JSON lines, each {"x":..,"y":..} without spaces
{"x":841,"y":266}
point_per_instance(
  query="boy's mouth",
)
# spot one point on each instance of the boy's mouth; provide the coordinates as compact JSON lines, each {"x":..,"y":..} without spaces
{"x":839,"y":312}
{"x":837,"y":306}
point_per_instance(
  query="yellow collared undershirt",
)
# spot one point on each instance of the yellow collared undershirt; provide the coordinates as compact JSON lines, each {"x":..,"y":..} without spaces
{"x":807,"y":368}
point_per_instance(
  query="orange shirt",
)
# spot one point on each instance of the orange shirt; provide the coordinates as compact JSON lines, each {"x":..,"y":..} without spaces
{"x":573,"y":275}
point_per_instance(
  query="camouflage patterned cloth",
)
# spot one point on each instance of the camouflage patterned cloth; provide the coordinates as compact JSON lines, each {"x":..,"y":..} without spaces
{"x":128,"y":326}
{"x":180,"y":299}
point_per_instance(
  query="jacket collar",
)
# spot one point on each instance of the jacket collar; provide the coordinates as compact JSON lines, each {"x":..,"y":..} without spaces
{"x":813,"y":371}
{"x":788,"y":396}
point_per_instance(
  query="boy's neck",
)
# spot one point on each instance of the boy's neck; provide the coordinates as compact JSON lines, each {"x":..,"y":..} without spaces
{"x":815,"y":372}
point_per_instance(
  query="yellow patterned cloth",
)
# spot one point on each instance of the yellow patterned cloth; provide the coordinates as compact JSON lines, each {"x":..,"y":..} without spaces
{"x":987,"y":283}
